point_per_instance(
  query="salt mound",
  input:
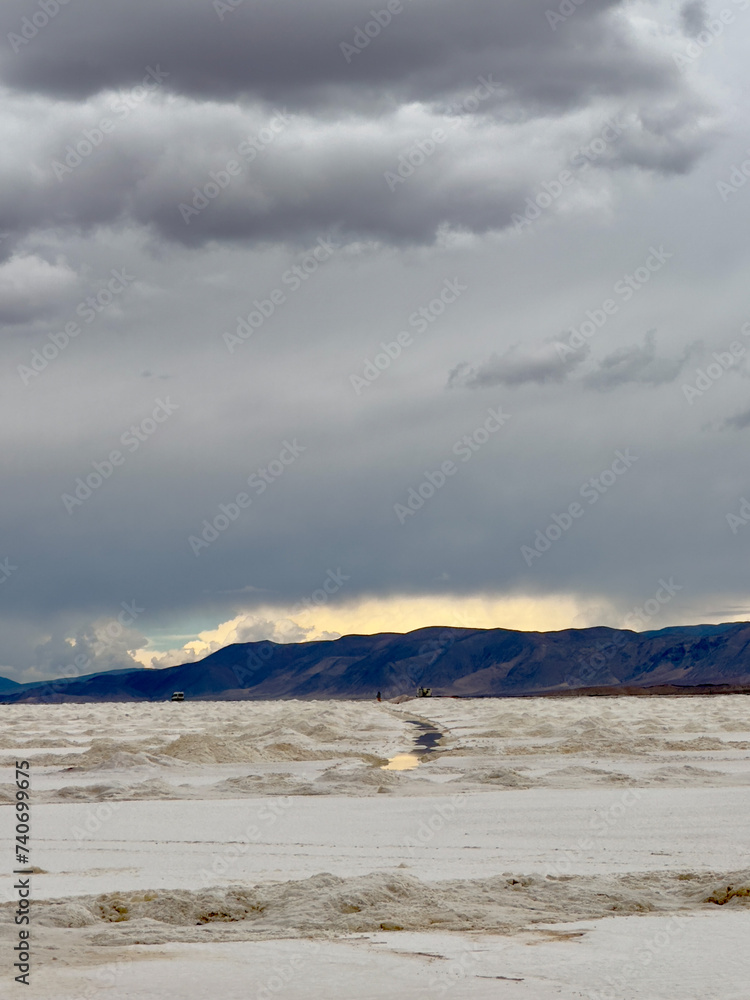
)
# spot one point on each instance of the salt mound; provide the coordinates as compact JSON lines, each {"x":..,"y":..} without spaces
{"x":65,"y":914}
{"x":732,"y":892}
{"x":321,"y":732}
{"x":107,"y":755}
{"x":290,"y":751}
{"x":7,"y":793}
{"x":506,"y":778}
{"x":577,"y":775}
{"x":703,"y":743}
{"x":122,"y":760}
{"x":318,"y":904}
{"x":687,"y":775}
{"x":43,"y":743}
{"x":157,"y":789}
{"x":346,"y":779}
{"x":204,"y":748}
{"x":88,"y":793}
{"x":328,"y":904}
{"x":271,"y":783}
{"x":199,"y":748}
{"x":624,"y":744}
{"x":154,"y":788}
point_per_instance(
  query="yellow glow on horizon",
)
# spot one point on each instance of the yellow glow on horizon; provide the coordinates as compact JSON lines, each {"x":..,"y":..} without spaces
{"x":395,"y":614}
{"x":404,"y":614}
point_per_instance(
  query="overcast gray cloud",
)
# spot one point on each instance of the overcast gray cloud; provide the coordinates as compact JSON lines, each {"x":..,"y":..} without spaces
{"x":637,"y":363}
{"x":284,"y":51}
{"x":31,"y":286}
{"x":517,"y":365}
{"x":178,"y":332}
{"x":739,"y":421}
{"x":196,"y":173}
{"x":256,"y":126}
{"x":694,"y":14}
{"x":556,"y":362}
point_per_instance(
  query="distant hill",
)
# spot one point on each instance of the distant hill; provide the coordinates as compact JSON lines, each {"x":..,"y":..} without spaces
{"x":451,"y":661}
{"x":6,"y":684}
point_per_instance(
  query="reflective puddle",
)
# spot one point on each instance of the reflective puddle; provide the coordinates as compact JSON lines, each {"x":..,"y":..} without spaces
{"x":401,"y":762}
{"x":427,"y":740}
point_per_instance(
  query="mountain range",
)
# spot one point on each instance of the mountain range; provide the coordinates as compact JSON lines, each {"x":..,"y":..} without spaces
{"x":461,"y":662}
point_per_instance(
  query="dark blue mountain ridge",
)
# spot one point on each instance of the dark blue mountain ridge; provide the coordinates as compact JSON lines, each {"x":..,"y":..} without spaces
{"x":452,"y":661}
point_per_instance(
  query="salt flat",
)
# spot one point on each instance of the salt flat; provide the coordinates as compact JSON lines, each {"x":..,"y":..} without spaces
{"x":704,"y":958}
{"x":182,"y":844}
{"x":549,"y":836}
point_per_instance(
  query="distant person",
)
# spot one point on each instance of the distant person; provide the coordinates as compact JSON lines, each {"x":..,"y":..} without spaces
{"x":379,"y":698}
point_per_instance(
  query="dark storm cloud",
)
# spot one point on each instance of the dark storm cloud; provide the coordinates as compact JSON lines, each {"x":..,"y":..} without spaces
{"x":335,"y":506}
{"x":431,"y":127}
{"x":199,"y":272}
{"x":340,"y":186}
{"x":283,"y":50}
{"x":194,"y":174}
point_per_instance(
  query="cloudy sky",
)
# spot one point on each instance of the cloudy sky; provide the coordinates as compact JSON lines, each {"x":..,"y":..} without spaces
{"x":317,"y":320}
